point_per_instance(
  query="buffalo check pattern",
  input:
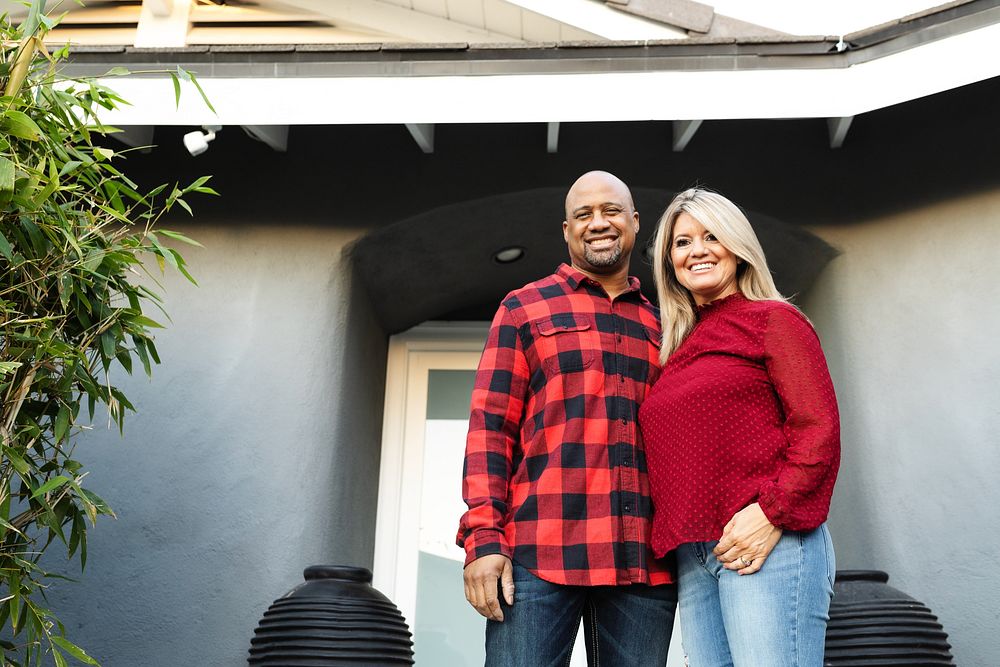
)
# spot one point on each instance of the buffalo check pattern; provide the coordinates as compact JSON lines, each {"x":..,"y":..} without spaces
{"x":555,"y":471}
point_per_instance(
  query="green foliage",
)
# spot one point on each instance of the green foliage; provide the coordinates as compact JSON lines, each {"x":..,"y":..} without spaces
{"x":74,"y":232}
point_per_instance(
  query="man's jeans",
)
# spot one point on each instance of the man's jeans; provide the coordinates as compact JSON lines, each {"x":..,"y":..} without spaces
{"x":774,"y":617}
{"x":624,"y":626}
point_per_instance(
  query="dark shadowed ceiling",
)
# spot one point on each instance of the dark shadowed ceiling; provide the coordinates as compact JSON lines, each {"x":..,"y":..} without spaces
{"x":439,"y":264}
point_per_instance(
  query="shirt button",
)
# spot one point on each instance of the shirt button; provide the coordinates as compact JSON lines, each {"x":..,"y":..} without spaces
{"x":628,"y":508}
{"x":624,"y":421}
{"x":627,"y":462}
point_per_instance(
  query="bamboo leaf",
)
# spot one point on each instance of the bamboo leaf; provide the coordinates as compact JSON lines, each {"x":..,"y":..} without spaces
{"x":125,"y":359}
{"x":108,"y":344}
{"x":140,"y":349}
{"x":19,"y":464}
{"x":62,"y":423}
{"x":189,"y":75}
{"x":5,"y":249}
{"x":35,"y":12}
{"x":153,"y":354}
{"x":54,"y":483}
{"x":146,"y":322}
{"x":183,"y":269}
{"x":58,"y":657}
{"x":185,"y":205}
{"x":177,"y":90}
{"x":18,"y":124}
{"x":73,"y":650}
{"x":179,"y":237}
{"x":7,"y":170}
{"x":69,"y":167}
{"x":14,"y":604}
{"x":9,"y":366}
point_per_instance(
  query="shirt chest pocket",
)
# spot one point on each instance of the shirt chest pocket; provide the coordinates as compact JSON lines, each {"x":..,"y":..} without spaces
{"x":566,"y":344}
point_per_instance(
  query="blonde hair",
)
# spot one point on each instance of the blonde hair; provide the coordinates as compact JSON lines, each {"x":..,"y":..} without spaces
{"x":730,"y":226}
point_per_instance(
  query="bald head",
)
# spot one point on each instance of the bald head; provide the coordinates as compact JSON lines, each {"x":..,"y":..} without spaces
{"x":594,"y":180}
{"x":600,"y":226}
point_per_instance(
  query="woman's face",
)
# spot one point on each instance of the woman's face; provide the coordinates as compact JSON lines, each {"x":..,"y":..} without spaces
{"x":702,"y":264}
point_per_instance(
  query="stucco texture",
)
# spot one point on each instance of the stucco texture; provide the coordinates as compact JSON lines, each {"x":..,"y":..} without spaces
{"x":908,"y":315}
{"x":254,"y":452}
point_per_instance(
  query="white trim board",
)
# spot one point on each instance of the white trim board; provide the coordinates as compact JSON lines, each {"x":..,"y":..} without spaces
{"x":668,"y":95}
{"x":411,"y":356}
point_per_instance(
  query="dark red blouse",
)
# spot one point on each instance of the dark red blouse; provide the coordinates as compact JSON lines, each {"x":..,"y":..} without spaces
{"x":743,"y":412}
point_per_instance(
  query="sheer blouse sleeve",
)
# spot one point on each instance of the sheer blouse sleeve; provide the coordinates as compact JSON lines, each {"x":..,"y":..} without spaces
{"x":799,"y":498}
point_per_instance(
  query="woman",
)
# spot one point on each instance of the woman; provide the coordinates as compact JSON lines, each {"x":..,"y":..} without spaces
{"x":742,"y":439}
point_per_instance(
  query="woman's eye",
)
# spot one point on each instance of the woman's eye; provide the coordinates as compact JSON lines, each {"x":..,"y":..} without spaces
{"x":680,"y":242}
{"x":710,"y":237}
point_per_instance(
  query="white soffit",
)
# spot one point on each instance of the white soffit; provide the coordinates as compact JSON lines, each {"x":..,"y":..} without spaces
{"x":669,"y":95}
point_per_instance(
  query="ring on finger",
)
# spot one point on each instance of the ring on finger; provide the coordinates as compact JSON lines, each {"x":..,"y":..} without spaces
{"x":746,"y":563}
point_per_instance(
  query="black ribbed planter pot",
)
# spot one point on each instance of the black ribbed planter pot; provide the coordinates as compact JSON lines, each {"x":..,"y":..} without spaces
{"x":874,"y":625}
{"x":335,"y":618}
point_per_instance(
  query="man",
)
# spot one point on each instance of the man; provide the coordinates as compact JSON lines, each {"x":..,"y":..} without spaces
{"x":555,"y":473}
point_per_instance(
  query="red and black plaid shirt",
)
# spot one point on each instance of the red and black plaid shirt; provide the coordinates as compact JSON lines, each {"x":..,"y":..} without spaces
{"x":555,"y":472}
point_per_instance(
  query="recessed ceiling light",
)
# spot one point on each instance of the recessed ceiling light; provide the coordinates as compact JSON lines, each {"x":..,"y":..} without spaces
{"x":508,"y":254}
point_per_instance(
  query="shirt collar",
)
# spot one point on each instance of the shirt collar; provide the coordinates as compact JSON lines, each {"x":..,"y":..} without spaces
{"x":575,"y":278}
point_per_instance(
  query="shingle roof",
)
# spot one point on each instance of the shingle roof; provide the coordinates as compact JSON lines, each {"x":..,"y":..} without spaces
{"x":426,"y":59}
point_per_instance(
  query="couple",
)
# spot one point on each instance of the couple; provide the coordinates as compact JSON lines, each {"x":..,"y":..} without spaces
{"x":582,"y":505}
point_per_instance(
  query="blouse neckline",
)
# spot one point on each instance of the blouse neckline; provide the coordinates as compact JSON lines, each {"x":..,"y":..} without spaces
{"x":717,"y":304}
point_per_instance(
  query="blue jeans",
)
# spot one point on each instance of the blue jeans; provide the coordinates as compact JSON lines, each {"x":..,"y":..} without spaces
{"x":774,"y":617}
{"x":624,"y":626}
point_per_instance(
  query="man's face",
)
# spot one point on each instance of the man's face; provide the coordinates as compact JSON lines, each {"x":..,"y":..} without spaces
{"x":600,"y":225}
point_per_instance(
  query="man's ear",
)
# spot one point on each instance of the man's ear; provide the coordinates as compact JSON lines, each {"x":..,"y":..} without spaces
{"x":565,"y":231}
{"x":635,"y":221}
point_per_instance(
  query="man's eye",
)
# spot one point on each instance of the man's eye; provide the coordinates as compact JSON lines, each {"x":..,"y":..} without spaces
{"x":612,"y":211}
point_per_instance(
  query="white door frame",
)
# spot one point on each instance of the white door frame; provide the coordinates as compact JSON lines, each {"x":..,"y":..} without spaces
{"x":412,"y":354}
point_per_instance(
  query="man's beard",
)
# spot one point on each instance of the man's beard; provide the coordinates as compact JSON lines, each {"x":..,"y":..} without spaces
{"x":603,"y":258}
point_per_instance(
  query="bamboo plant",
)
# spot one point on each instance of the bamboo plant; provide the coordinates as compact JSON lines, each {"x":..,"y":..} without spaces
{"x":78,"y":243}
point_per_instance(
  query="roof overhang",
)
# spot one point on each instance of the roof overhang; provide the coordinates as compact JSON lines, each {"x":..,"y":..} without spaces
{"x":671,"y":80}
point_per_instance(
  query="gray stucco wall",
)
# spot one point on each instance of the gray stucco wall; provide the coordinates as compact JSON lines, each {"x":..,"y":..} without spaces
{"x":909,"y":315}
{"x":254,"y":453}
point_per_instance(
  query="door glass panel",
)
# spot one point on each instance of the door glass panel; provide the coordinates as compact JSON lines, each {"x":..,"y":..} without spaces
{"x":447,"y":631}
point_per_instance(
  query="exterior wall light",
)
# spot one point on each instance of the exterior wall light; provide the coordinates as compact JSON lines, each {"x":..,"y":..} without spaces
{"x":508,"y":254}
{"x":196,"y":143}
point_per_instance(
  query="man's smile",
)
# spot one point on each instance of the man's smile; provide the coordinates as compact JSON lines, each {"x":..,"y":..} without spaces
{"x":602,"y":242}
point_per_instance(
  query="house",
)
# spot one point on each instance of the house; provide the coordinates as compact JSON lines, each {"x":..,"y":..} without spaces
{"x":377,"y":162}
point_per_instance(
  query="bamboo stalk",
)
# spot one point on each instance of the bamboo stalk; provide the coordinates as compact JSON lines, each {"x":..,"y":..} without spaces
{"x":21,"y":64}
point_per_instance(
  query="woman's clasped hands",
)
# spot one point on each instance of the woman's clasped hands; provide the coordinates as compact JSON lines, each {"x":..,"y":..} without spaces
{"x":747,"y":540}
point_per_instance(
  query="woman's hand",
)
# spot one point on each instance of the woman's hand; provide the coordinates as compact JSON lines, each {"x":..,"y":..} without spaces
{"x":747,"y":540}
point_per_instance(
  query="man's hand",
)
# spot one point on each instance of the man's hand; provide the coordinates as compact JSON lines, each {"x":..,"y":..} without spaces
{"x":481,"y":577}
{"x":747,"y":540}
